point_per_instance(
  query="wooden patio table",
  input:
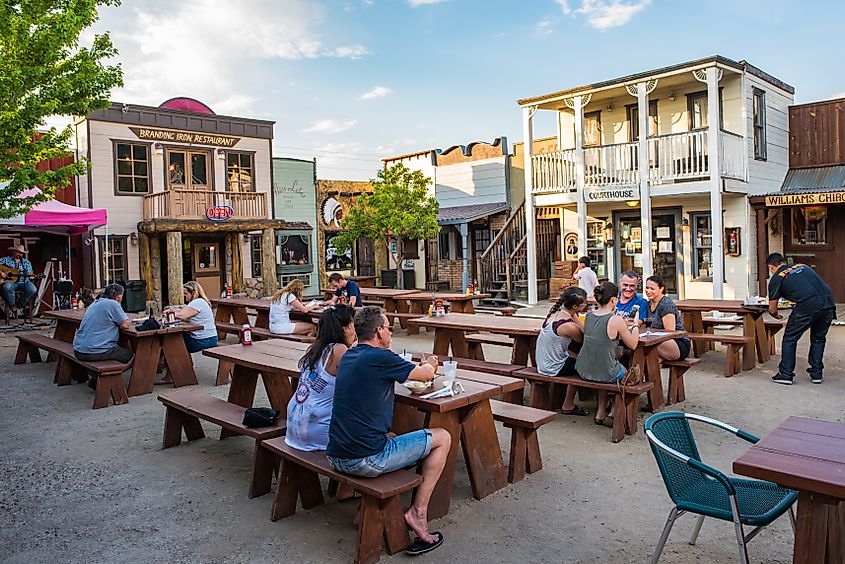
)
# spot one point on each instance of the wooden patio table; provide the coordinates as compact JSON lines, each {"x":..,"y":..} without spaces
{"x":149,"y":346}
{"x":646,"y":357}
{"x":450,"y":331}
{"x":807,"y":455}
{"x":363,"y":281}
{"x":753,"y":326}
{"x":459,"y":303}
{"x":234,"y":310}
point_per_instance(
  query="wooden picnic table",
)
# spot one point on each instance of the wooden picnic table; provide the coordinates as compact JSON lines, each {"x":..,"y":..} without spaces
{"x":234,"y":310}
{"x":363,"y":281}
{"x":647,"y":358}
{"x":450,"y":331}
{"x":752,"y":326}
{"x":807,"y":455}
{"x":459,"y":303}
{"x":149,"y":346}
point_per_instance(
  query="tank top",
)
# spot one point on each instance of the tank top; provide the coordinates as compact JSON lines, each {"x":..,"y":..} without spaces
{"x":310,"y":408}
{"x":551,"y":350}
{"x":597,"y":360}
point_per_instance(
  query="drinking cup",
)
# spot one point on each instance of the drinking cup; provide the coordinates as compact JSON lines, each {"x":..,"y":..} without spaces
{"x":450,"y":370}
{"x":408,"y":356}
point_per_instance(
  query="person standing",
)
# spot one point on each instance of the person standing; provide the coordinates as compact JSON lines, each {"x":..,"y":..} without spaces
{"x":17,"y":260}
{"x":814,"y":310}
{"x":346,"y":291}
{"x":587,"y":279}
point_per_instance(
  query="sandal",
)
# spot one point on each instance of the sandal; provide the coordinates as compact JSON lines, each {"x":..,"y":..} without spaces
{"x":574,"y":411}
{"x":598,"y":421}
{"x":421,"y":547}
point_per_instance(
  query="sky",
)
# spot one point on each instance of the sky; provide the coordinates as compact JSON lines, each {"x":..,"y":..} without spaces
{"x":353,"y":81}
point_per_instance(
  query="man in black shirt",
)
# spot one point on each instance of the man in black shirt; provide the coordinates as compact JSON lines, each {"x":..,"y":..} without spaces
{"x":345,"y":291}
{"x":814,"y":310}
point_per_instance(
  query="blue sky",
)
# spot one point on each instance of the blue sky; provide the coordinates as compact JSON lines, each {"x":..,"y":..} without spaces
{"x":350,"y":82}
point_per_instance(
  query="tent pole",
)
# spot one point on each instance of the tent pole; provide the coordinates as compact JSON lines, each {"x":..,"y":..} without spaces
{"x":106,"y":255}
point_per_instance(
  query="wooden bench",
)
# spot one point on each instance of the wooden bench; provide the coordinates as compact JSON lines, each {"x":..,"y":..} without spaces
{"x":677,"y":369}
{"x":734,"y":344}
{"x":475,"y":340}
{"x":523,"y":421}
{"x":259,"y":333}
{"x":506,"y":311}
{"x":185,"y":408}
{"x":626,"y":405}
{"x":773,"y":327}
{"x":69,"y":368}
{"x":500,"y":368}
{"x":380,"y":515}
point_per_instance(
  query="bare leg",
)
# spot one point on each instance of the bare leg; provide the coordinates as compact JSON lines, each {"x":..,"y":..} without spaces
{"x":601,"y":408}
{"x":303,"y":328}
{"x":569,"y":400}
{"x":668,"y":350}
{"x":417,"y":516}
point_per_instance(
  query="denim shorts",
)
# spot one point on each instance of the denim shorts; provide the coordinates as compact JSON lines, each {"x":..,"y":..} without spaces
{"x":619,"y":375}
{"x":400,"y":452}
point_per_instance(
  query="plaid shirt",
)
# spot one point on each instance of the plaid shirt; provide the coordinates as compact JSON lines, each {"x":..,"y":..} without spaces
{"x":24,"y":265}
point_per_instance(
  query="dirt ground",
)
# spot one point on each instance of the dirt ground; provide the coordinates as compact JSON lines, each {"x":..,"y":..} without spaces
{"x":83,"y":485}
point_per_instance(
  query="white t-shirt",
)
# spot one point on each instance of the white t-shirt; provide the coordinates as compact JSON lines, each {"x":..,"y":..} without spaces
{"x":280,"y":322}
{"x":204,"y":317}
{"x":587,"y":280}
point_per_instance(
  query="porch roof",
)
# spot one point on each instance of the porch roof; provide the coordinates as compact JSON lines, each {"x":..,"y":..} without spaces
{"x":814,"y":179}
{"x":464,"y":214}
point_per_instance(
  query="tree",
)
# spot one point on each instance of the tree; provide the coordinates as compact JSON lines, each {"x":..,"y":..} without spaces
{"x":44,"y":72}
{"x":399,"y":208}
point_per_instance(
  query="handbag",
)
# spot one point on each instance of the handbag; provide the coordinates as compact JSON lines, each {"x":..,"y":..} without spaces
{"x":260,"y":417}
{"x":149,"y":325}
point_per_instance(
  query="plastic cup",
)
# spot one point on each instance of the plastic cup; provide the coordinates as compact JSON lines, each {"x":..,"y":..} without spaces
{"x":450,"y":370}
{"x":408,"y":356}
{"x":582,"y":317}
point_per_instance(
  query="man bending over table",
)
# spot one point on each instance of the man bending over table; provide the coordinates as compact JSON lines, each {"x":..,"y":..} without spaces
{"x":362,"y":413}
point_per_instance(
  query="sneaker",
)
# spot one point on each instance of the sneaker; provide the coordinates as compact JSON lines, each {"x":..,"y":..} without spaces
{"x":780,"y":379}
{"x":816,"y":378}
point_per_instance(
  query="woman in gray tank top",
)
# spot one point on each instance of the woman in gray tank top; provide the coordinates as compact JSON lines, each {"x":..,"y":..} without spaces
{"x":603,"y":330}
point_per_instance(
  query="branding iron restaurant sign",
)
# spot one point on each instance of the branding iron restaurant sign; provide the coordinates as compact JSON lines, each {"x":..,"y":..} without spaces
{"x":805,"y":199}
{"x":148,"y":134}
{"x":611,"y":194}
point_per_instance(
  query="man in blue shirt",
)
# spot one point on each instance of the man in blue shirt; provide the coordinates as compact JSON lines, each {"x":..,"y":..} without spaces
{"x":362,"y":412}
{"x":814,"y":310}
{"x":628,"y":296}
{"x":18,"y":260}
{"x":345,"y":291}
{"x":97,"y":336}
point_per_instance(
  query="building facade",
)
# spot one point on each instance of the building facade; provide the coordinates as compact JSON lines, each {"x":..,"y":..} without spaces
{"x":295,"y":201}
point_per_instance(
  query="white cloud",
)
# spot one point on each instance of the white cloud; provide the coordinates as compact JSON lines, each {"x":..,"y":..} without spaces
{"x":546,"y":26}
{"x":331,"y":126}
{"x":605,"y":14}
{"x":416,"y":3}
{"x":377,"y":92}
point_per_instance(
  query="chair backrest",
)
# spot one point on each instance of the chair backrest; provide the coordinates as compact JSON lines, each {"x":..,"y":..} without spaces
{"x":681,"y":480}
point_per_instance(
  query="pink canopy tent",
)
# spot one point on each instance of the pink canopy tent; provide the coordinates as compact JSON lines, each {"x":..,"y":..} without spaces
{"x":55,"y":217}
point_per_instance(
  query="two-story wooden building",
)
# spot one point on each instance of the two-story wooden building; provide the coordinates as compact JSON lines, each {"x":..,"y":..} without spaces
{"x":189,"y":195}
{"x":640,"y":162}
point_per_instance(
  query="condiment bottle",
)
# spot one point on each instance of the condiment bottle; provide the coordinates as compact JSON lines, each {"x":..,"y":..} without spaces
{"x":246,"y":334}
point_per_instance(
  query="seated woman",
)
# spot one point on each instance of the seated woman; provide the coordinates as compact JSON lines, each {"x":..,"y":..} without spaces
{"x":603,"y":330}
{"x":285,"y":300}
{"x":197,"y":311}
{"x":664,"y":314}
{"x":562,"y":332}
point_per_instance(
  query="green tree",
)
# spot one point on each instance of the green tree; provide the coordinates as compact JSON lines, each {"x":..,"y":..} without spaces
{"x":399,"y":208}
{"x":45,"y":72}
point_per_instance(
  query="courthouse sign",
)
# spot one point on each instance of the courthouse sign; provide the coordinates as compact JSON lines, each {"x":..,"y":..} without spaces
{"x":812,"y":199}
{"x":605,"y":194}
{"x":149,"y":134}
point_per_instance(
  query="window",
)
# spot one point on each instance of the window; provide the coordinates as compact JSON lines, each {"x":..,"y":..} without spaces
{"x":113,"y":261}
{"x":206,"y":257}
{"x":481,"y":240}
{"x":443,"y":243}
{"x":809,"y":225}
{"x":255,"y":255}
{"x":131,"y":168}
{"x":702,"y":233}
{"x":450,"y":244}
{"x":239,"y":170}
{"x":188,"y":170}
{"x":698,"y":112}
{"x":410,"y":249}
{"x":759,"y":109}
{"x":634,"y":121}
{"x":592,"y":129}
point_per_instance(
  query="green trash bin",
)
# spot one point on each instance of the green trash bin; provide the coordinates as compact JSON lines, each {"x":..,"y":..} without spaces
{"x":134,"y":295}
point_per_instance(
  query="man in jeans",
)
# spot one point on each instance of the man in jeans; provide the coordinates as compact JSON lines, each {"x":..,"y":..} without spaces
{"x":362,"y":412}
{"x":97,"y":336}
{"x":814,"y":310}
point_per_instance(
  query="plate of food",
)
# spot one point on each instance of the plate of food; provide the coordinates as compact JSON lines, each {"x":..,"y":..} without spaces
{"x":416,"y":387}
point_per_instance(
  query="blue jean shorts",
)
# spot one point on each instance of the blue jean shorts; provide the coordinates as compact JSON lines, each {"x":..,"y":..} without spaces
{"x":399,"y":452}
{"x":619,"y":374}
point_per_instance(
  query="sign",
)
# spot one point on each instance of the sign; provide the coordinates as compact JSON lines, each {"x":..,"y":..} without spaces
{"x":332,"y":212}
{"x":817,"y":198}
{"x":733,"y":247}
{"x":148,"y":134}
{"x":611,"y":194}
{"x":570,"y":244}
{"x":220,"y":213}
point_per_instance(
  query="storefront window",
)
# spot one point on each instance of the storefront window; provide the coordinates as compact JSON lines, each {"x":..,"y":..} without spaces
{"x":132,"y":168}
{"x":702,"y":250}
{"x":206,"y":256}
{"x":809,"y":225}
{"x":336,"y":260}
{"x":255,"y":255}
{"x":113,"y":259}
{"x":595,"y":247}
{"x":239,"y":170}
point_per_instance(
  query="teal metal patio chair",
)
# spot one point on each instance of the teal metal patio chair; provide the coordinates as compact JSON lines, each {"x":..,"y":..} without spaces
{"x":698,"y":488}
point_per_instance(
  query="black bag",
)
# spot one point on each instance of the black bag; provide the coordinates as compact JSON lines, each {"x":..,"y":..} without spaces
{"x":149,"y":325}
{"x":260,"y":417}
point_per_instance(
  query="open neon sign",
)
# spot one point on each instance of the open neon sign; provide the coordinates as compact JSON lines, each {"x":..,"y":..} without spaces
{"x":220,"y":213}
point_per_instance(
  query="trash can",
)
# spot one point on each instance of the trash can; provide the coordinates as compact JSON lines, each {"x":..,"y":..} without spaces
{"x":134,"y":295}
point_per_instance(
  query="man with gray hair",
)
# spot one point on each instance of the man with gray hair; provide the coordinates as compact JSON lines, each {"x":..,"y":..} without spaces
{"x":99,"y":331}
{"x":362,"y":413}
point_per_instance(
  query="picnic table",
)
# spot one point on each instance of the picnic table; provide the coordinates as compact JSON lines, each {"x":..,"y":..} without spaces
{"x":363,"y":281}
{"x":807,"y":455}
{"x":459,"y":303}
{"x":752,"y":326}
{"x":234,"y":310}
{"x":647,"y":357}
{"x":450,"y":332}
{"x":149,"y":347}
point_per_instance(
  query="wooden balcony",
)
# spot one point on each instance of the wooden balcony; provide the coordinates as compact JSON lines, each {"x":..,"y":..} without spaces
{"x":193,"y":204}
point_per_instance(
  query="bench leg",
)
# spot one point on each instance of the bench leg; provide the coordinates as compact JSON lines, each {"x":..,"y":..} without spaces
{"x":295,"y":482}
{"x":264,"y":463}
{"x":676,"y":392}
{"x":27,"y":350}
{"x":732,"y":363}
{"x":174,"y":422}
{"x":395,"y":530}
{"x":109,"y":385}
{"x":620,"y":418}
{"x":540,"y":395}
{"x":533,"y":461}
{"x":518,"y":455}
{"x":224,"y":373}
{"x":66,"y":371}
{"x":475,"y":351}
{"x":514,"y":396}
{"x":556,"y":396}
{"x":370,"y":532}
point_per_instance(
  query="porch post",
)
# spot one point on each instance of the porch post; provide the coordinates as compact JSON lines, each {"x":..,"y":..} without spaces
{"x":642,"y":166}
{"x":578,"y":103}
{"x":268,"y":261}
{"x":465,"y":253}
{"x":174,"y":267}
{"x":530,"y":241}
{"x":716,"y":221}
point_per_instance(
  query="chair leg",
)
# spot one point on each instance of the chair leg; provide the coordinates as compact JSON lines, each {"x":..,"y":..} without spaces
{"x":698,"y":523}
{"x":792,"y":518}
{"x":740,"y":535}
{"x":667,"y":528}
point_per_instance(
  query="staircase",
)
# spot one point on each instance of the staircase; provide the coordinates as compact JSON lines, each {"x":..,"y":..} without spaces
{"x":505,"y":262}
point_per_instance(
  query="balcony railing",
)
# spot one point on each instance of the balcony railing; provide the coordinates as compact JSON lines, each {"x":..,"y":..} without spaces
{"x":193,"y":204}
{"x":674,"y":157}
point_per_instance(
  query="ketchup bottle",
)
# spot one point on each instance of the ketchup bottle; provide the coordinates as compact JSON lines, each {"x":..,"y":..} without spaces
{"x":246,"y":334}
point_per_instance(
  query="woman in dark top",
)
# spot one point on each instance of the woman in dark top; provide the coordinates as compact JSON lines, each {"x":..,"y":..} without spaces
{"x":664,"y":314}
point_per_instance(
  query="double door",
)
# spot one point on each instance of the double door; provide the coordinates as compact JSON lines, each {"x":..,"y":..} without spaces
{"x":665,"y":248}
{"x":189,"y":176}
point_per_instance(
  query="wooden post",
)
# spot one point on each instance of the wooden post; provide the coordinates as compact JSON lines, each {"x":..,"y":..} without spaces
{"x":146,"y":265}
{"x":268,"y":261}
{"x":174,"y":267}
{"x":155,"y":260}
{"x":234,"y":242}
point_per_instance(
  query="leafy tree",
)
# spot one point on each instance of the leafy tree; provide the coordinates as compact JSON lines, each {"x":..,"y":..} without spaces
{"x":399,"y":208}
{"x":45,"y":72}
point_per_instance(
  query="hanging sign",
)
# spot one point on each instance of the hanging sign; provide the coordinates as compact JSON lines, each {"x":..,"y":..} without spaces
{"x":805,"y":199}
{"x":605,"y":194}
{"x":220,"y":213}
{"x":148,"y":134}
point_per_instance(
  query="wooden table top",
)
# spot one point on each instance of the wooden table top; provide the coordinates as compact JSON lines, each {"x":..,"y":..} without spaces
{"x":506,"y":325}
{"x":254,"y":303}
{"x":385,"y":293}
{"x":76,"y":315}
{"x":655,"y":337}
{"x":446,"y":296}
{"x":731,"y":306}
{"x":802,"y":454}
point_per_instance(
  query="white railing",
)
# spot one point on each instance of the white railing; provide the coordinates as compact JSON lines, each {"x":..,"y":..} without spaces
{"x":678,"y":156}
{"x":732,"y":155}
{"x":553,"y":172}
{"x":611,"y":165}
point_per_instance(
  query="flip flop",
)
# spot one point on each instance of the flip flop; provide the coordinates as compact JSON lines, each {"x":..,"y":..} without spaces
{"x":421,"y":547}
{"x":574,"y":411}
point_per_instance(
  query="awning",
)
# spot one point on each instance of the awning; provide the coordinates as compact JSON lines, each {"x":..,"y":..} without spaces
{"x":465,"y":214}
{"x":810,"y":186}
{"x":55,"y":217}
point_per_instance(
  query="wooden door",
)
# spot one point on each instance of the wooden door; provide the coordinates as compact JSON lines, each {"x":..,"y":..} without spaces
{"x":812,"y":235}
{"x":365,"y":257}
{"x":190,"y":171}
{"x":207,"y":266}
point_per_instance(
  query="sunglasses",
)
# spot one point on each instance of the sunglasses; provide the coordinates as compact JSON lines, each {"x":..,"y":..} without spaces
{"x":388,"y":327}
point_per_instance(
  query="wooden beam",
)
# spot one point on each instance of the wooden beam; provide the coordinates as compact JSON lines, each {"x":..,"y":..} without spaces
{"x":151,"y":226}
{"x":234,"y":243}
{"x":174,"y":268}
{"x":146,"y":265}
{"x":268,"y":261}
{"x":771,"y":214}
{"x":155,"y":260}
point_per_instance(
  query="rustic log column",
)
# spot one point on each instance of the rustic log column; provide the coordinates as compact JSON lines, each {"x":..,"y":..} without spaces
{"x":233,"y":240}
{"x":155,"y":260}
{"x":268,"y":261}
{"x":146,"y":264}
{"x":174,"y":267}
